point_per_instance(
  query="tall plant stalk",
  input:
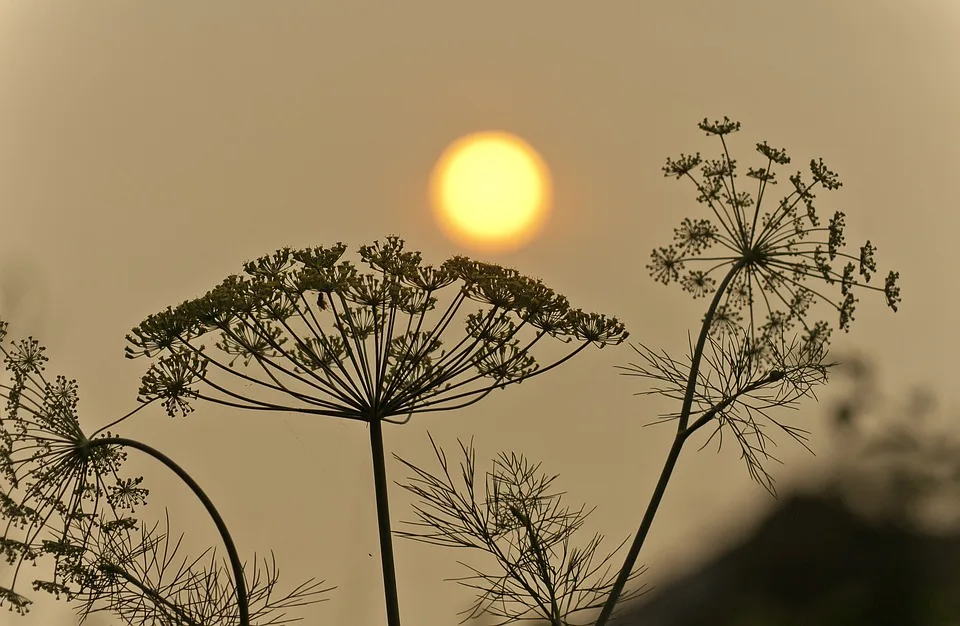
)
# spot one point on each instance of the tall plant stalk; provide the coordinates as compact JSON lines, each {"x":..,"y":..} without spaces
{"x":672,"y":456}
{"x":391,"y":595}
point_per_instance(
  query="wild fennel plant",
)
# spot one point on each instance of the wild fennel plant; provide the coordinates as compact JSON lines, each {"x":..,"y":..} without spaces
{"x":762,"y":272}
{"x":302,"y":331}
{"x":67,"y":500}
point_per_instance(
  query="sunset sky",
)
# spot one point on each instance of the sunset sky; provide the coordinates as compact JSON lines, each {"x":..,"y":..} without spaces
{"x":148,"y":149}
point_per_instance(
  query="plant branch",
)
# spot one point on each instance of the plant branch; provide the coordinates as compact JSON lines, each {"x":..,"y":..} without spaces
{"x":672,"y":456}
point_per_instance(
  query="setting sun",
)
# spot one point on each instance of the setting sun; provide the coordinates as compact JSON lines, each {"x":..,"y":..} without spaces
{"x":491,"y":191}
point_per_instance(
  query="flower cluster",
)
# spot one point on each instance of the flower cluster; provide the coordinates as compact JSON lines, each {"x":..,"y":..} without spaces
{"x":769,"y":260}
{"x":763,"y":272}
{"x":58,"y":489}
{"x":315,"y":334}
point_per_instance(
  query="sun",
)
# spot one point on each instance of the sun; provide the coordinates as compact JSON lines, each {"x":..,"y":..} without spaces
{"x":490,"y":191}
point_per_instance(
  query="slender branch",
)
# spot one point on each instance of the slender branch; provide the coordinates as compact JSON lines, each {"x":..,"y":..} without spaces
{"x":709,"y":415}
{"x":672,"y":456}
{"x":117,"y":421}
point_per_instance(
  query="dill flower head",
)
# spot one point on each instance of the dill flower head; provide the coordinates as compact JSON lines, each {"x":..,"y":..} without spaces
{"x":765,"y":268}
{"x":313,"y":333}
{"x":55,"y":487}
{"x":762,"y":270}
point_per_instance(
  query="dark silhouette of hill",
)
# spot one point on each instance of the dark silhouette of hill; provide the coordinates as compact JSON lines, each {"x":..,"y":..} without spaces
{"x":814,"y":562}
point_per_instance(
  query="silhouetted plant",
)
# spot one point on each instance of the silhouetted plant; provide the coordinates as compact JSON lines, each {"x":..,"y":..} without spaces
{"x":760,"y":273}
{"x":303,"y":331}
{"x":520,"y":521}
{"x":314,"y":335}
{"x":66,"y":500}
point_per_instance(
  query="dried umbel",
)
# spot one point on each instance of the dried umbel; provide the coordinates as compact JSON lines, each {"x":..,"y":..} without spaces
{"x":776,"y":258}
{"x":316,"y":335}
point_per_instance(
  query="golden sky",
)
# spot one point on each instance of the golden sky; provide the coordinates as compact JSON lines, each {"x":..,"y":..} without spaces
{"x":147,"y":149}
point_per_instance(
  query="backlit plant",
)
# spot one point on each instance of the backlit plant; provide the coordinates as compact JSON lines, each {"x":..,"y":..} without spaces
{"x":304,"y":331}
{"x":307,"y":332}
{"x":765,"y":272}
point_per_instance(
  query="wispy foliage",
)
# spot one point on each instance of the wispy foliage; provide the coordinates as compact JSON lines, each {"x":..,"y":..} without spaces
{"x":514,"y":514}
{"x":143,"y":579}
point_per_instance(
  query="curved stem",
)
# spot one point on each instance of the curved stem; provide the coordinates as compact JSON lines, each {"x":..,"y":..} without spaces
{"x":236,"y":565}
{"x":672,"y":456}
{"x":383,"y":523}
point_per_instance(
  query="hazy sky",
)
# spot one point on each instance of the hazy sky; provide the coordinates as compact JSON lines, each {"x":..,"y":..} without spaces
{"x":147,"y":149}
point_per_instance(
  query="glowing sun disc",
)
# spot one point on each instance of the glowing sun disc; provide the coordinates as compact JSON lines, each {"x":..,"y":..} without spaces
{"x":490,"y":190}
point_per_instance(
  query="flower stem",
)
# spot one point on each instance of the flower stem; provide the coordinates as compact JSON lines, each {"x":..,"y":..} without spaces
{"x":672,"y":456}
{"x":383,"y":523}
{"x":236,"y":565}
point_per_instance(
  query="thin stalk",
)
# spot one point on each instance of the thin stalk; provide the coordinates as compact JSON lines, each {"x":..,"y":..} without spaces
{"x":674,"y":454}
{"x":383,"y":523}
{"x":238,"y":582}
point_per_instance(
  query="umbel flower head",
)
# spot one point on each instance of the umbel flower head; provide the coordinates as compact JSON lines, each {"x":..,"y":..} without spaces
{"x":774,"y":265}
{"x":764,"y":271}
{"x":313,"y":333}
{"x":55,"y":489}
